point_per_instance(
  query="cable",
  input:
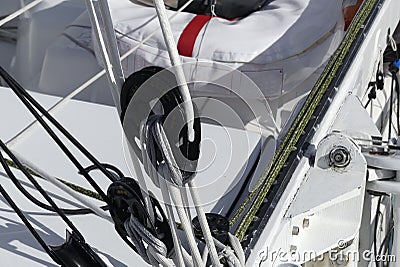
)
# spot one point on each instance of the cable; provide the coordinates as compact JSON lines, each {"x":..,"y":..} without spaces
{"x":398,"y":104}
{"x":386,"y":240}
{"x":37,"y":186}
{"x":388,"y":237}
{"x":28,"y":225}
{"x":32,"y":198}
{"x":36,"y":171}
{"x":176,"y":62}
{"x":371,"y":94}
{"x":21,"y":93}
{"x":397,"y":88}
{"x":118,"y":172}
{"x":394,"y":86}
{"x":391,"y":110}
{"x":376,"y":227}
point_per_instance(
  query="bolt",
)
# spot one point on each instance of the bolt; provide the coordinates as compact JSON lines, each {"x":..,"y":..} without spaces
{"x":295,"y":230}
{"x":339,"y":157}
{"x":306,"y":223}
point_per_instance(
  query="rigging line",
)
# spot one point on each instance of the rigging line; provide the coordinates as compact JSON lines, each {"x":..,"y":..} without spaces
{"x":397,"y":88}
{"x":144,"y":136}
{"x":391,"y":109}
{"x":32,"y":198}
{"x":110,"y":59}
{"x":69,"y":188}
{"x":77,"y":188}
{"x":176,"y":62}
{"x":37,"y":186}
{"x":175,"y":239}
{"x":22,"y":93}
{"x":163,"y":172}
{"x":300,"y":123}
{"x":62,"y":102}
{"x":28,"y":224}
{"x":15,"y":87}
{"x":376,"y":228}
{"x":384,"y":246}
{"x":391,"y":240}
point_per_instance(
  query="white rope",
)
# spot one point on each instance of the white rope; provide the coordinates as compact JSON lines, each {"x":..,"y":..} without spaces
{"x":133,"y":49}
{"x":134,"y":228}
{"x":111,"y":43}
{"x":178,"y":203}
{"x":228,"y":254}
{"x":114,"y":85}
{"x":148,"y":152}
{"x":187,"y":258}
{"x":169,"y":170}
{"x":204,"y":224}
{"x":149,"y":160}
{"x":177,"y":245}
{"x":239,"y":259}
{"x":153,"y":261}
{"x":146,"y":236}
{"x":186,"y":224}
{"x":156,"y":250}
{"x":162,"y":141}
{"x":176,"y":177}
{"x":177,"y":63}
{"x":19,"y":12}
{"x":62,"y":102}
{"x":161,"y":259}
{"x":185,"y":199}
{"x":237,"y":247}
{"x":148,"y":169}
{"x":137,"y":242}
{"x":205,"y":254}
{"x":63,"y":187}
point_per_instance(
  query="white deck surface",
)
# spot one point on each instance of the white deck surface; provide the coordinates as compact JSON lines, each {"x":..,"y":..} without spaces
{"x":99,"y":130}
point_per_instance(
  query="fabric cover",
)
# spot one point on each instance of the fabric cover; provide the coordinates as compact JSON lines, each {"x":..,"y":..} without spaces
{"x":278,"y":47}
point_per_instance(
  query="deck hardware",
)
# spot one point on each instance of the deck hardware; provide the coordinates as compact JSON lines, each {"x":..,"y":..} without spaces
{"x":339,"y":157}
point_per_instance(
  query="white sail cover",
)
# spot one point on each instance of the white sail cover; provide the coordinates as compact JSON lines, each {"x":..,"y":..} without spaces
{"x":278,"y":47}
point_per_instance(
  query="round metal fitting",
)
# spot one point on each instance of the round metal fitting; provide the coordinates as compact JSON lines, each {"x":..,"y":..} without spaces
{"x":306,"y":223}
{"x":295,"y":230}
{"x":339,"y":157}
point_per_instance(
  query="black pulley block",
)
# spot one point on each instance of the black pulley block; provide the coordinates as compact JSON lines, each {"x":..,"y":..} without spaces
{"x":219,"y":227}
{"x":126,"y":199}
{"x":153,"y":91}
{"x":76,"y":253}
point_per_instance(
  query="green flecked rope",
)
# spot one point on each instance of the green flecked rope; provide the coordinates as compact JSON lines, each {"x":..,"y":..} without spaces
{"x":297,"y":128}
{"x":77,"y":188}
